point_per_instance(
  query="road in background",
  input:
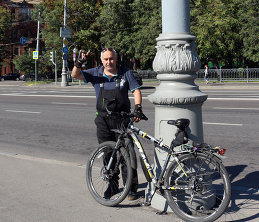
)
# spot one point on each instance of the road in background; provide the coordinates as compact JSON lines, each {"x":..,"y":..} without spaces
{"x":55,"y":121}
{"x":57,"y":124}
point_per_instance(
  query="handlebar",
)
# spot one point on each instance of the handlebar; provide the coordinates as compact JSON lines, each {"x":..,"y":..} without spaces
{"x":139,"y":115}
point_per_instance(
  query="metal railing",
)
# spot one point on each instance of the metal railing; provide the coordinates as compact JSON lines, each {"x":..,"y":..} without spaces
{"x":222,"y":75}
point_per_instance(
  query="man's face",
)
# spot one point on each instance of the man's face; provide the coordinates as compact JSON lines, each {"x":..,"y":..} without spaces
{"x":109,"y":60}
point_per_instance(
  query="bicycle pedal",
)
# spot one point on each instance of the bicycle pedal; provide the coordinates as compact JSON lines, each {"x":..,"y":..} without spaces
{"x":146,"y":204}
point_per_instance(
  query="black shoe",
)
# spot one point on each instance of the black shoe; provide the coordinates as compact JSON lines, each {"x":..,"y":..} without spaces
{"x":133,"y":195}
{"x":112,"y":189}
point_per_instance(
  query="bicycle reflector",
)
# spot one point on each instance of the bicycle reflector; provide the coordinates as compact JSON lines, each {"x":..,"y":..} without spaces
{"x":222,"y":151}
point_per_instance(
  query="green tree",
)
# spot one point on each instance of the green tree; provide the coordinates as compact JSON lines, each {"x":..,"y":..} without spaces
{"x":131,"y":27}
{"x":249,"y":32}
{"x":5,"y":31}
{"x":215,"y":24}
{"x":115,"y":22}
{"x":25,"y":63}
{"x":147,"y":27}
{"x":81,"y":15}
{"x":82,"y":19}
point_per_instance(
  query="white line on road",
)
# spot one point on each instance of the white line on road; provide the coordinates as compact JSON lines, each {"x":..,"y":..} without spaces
{"x":21,"y":111}
{"x":236,"y":108}
{"x":55,"y":96}
{"x":74,"y":96}
{"x":223,"y":124}
{"x":235,"y":99}
{"x":58,"y":103}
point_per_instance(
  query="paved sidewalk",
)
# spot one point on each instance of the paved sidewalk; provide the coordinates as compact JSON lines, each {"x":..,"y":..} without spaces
{"x":43,"y":190}
{"x":36,"y":189}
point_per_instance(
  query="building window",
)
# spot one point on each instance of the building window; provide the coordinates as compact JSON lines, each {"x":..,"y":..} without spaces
{"x":24,"y":14}
{"x":16,"y":51}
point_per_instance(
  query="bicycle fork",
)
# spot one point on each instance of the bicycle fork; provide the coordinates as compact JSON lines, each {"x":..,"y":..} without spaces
{"x":113,"y":153}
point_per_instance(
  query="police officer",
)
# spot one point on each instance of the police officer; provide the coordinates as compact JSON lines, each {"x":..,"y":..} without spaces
{"x":111,"y":83}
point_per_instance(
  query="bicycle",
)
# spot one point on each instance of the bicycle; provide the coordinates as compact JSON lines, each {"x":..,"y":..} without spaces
{"x":196,"y":184}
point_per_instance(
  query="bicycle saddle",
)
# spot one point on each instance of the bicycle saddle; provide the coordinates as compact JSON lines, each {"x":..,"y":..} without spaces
{"x":182,"y":124}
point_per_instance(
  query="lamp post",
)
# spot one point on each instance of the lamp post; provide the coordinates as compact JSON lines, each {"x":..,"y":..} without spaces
{"x":64,"y":81}
{"x":37,"y":48}
{"x":177,"y":96}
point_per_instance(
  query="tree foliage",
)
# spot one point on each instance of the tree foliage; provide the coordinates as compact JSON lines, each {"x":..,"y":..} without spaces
{"x":215,"y":24}
{"x":131,"y":27}
{"x":147,"y":27}
{"x":5,"y":27}
{"x":249,"y":28}
{"x":226,"y":31}
{"x":25,"y":63}
{"x":116,"y":26}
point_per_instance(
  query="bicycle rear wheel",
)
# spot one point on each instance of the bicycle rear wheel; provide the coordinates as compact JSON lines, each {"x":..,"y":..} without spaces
{"x":201,"y":187}
{"x":109,"y":187}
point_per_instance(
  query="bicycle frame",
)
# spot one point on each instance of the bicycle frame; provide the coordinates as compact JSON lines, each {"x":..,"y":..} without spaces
{"x":132,"y":131}
{"x":196,"y":184}
{"x":157,"y":181}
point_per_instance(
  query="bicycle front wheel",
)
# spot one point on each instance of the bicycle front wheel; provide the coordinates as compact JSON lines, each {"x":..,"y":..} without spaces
{"x":109,"y":187}
{"x":200,"y":187}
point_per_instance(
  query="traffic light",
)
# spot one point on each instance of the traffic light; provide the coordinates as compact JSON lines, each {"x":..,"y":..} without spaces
{"x":52,"y":56}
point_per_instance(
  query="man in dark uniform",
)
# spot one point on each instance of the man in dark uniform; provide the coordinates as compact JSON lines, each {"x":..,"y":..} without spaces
{"x":111,"y":83}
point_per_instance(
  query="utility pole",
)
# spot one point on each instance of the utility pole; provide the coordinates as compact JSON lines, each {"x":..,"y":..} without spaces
{"x":64,"y":71}
{"x":177,"y":96}
{"x":37,"y":48}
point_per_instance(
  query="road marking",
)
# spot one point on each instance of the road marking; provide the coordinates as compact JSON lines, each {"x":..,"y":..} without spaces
{"x":54,"y":96}
{"x":21,"y":111}
{"x":234,"y":99}
{"x":58,"y":103}
{"x":223,"y":124}
{"x":236,"y":95}
{"x":223,"y":92}
{"x":41,"y":160}
{"x":236,"y":108}
{"x":74,"y":96}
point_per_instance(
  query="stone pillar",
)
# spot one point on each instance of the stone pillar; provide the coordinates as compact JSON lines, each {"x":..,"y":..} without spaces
{"x":177,"y":96}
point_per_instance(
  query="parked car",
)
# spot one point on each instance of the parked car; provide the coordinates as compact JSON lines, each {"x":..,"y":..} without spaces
{"x":10,"y":76}
{"x":40,"y":76}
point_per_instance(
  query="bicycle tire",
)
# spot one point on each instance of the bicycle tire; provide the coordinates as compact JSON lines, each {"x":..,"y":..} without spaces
{"x":116,"y":182}
{"x":210,"y":194}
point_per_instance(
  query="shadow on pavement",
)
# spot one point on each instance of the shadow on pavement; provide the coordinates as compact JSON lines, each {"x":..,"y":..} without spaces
{"x":245,"y":196}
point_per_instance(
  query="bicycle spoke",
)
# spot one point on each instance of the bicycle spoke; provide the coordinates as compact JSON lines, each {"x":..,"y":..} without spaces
{"x":109,"y":186}
{"x":199,"y":188}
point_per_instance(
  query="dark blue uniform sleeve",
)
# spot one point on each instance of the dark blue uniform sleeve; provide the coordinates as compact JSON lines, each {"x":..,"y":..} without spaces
{"x":88,"y":75}
{"x":133,"y":84}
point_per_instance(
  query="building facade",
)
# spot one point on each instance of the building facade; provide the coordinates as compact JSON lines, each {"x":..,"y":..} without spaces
{"x":23,"y":34}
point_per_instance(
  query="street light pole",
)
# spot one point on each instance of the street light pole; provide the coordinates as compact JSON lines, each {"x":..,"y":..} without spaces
{"x":64,"y":71}
{"x":177,"y":96}
{"x":37,"y":48}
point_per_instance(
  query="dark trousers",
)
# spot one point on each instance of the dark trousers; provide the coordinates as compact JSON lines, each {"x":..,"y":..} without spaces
{"x":104,"y":125}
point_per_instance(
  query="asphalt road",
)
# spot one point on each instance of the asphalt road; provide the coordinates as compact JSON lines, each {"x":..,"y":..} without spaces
{"x":56,"y":124}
